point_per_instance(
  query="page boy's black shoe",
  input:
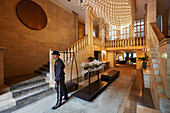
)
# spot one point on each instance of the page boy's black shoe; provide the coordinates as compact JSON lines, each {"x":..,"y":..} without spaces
{"x":55,"y":107}
{"x":66,"y":98}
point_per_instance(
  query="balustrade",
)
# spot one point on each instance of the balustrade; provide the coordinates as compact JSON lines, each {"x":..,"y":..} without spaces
{"x":129,"y":42}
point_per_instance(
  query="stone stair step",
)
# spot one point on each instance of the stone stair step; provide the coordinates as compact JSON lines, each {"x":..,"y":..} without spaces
{"x":5,"y":96}
{"x":41,"y":71}
{"x":44,"y":69}
{"x":164,"y":103}
{"x":46,"y":65}
{"x":153,"y":56}
{"x":31,"y":95}
{"x":154,"y":60}
{"x":7,"y":104}
{"x":160,"y":88}
{"x":26,"y":89}
{"x":156,"y":72}
{"x":153,"y":52}
{"x":158,"y":79}
{"x":155,"y":66}
{"x":28,"y":82}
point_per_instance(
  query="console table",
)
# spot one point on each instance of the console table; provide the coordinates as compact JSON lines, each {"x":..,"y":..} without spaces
{"x":90,"y":91}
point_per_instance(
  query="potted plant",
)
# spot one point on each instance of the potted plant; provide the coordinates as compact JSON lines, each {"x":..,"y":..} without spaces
{"x":144,"y":59}
{"x":91,"y":58}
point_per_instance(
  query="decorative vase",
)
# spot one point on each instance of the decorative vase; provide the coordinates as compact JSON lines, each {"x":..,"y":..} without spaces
{"x":144,"y":65}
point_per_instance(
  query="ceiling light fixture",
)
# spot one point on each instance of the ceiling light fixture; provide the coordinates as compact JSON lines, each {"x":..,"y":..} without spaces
{"x":116,"y":13}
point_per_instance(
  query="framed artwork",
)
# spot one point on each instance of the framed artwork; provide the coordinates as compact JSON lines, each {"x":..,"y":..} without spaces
{"x":104,"y":54}
{"x":31,"y":14}
{"x":81,"y":30}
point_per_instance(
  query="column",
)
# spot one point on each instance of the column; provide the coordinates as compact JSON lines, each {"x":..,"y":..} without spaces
{"x":151,"y":17}
{"x":50,"y":75}
{"x":75,"y":26}
{"x":89,"y":25}
{"x":112,"y":58}
{"x":101,"y":37}
{"x":3,"y":88}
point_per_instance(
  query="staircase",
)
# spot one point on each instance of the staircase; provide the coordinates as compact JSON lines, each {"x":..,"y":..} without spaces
{"x":157,"y":85}
{"x":25,"y":91}
{"x":29,"y":89}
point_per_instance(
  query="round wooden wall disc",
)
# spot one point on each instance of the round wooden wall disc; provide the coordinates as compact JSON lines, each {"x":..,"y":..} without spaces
{"x":31,"y":14}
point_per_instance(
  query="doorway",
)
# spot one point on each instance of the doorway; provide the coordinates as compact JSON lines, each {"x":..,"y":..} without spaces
{"x":97,"y":55}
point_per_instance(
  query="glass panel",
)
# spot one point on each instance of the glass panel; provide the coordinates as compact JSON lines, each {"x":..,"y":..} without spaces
{"x":127,"y":30}
{"x":127,"y":35}
{"x":121,"y":36}
{"x":124,"y":36}
{"x":135,"y":35}
{"x":138,"y":28}
{"x":115,"y":37}
{"x":124,"y":31}
{"x":138,"y":23}
{"x":134,"y":29}
{"x":142,"y":28}
{"x":138,"y":34}
{"x":135,"y":23}
{"x":110,"y":33}
{"x":142,"y":21}
{"x":121,"y":31}
{"x":134,"y":55}
{"x":142,"y":34}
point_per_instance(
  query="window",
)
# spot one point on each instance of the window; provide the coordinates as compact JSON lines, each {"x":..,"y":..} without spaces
{"x":124,"y":32}
{"x":112,"y":33}
{"x":159,"y":22}
{"x":139,"y":29}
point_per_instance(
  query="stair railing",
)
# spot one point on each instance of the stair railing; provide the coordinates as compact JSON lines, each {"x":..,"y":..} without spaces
{"x":75,"y":48}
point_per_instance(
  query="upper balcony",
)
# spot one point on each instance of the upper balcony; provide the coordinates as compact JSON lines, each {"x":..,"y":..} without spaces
{"x":126,"y":44}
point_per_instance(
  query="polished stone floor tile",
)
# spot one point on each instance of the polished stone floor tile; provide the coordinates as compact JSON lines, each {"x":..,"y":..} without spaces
{"x":138,"y":94}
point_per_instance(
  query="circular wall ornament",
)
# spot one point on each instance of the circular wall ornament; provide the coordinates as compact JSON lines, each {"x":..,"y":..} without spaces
{"x":31,"y":14}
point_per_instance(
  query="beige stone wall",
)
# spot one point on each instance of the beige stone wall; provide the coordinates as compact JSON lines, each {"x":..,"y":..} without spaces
{"x":26,"y":49}
{"x":163,"y":66}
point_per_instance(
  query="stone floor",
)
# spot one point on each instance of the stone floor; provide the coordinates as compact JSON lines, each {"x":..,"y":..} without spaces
{"x":138,"y":94}
{"x":121,"y":96}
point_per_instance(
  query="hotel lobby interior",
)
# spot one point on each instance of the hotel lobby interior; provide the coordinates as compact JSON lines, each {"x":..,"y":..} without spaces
{"x":115,"y":52}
